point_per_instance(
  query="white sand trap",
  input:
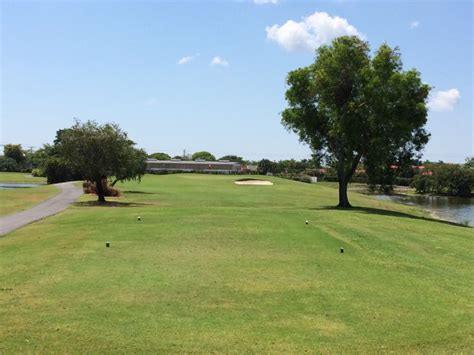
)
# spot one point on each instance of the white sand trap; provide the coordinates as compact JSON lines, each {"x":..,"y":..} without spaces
{"x":253,"y":182}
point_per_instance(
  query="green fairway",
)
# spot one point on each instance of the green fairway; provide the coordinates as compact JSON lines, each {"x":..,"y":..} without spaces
{"x":17,"y":200}
{"x":216,"y":267}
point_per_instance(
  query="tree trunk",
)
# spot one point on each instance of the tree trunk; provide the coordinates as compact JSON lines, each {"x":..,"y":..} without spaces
{"x":343,"y":199}
{"x":344,"y":175}
{"x":99,"y":188}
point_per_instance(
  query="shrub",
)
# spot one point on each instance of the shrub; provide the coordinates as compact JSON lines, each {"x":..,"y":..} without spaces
{"x":402,"y":181}
{"x":110,"y":191}
{"x":302,"y":178}
{"x":8,"y":164}
{"x":37,"y":172}
{"x":297,"y":177}
{"x":422,"y":183}
{"x":58,"y":170}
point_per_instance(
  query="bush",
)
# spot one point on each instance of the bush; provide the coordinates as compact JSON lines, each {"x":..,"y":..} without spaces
{"x":329,"y":178}
{"x":37,"y":172}
{"x":422,"y":183}
{"x":8,"y":164}
{"x":90,"y":188}
{"x":297,"y":177}
{"x":401,"y":181}
{"x":57,"y":170}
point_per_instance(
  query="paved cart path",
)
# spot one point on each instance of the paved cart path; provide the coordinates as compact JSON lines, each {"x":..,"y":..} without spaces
{"x":68,"y":194}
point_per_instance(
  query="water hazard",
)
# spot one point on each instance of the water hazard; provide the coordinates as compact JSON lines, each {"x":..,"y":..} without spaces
{"x":454,"y":209}
{"x":4,"y":186}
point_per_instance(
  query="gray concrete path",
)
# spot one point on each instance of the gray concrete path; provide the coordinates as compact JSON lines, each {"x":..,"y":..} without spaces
{"x":68,"y":194}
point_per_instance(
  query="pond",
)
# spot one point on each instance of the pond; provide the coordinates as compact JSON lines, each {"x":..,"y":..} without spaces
{"x":454,"y":209}
{"x":4,"y":186}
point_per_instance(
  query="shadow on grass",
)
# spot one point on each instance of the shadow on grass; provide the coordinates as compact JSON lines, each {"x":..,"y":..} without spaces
{"x":110,"y":204}
{"x":382,"y":212}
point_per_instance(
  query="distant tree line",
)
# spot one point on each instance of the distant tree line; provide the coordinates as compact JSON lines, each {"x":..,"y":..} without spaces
{"x":59,"y":162}
{"x":446,"y":179}
{"x":201,"y":155}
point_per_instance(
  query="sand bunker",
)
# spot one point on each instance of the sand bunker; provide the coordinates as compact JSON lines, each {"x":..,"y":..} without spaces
{"x":252,"y":182}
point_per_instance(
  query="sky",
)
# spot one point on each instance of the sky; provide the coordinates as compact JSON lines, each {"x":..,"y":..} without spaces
{"x":210,"y":75}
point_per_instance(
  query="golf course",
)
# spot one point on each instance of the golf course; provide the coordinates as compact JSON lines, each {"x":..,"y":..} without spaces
{"x":199,"y":264}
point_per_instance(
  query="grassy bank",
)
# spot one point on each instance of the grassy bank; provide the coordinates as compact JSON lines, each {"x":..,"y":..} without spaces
{"x":216,"y":267}
{"x":16,"y":200}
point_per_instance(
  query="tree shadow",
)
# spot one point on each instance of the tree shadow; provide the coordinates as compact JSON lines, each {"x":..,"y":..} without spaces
{"x":382,"y":212}
{"x":110,"y":204}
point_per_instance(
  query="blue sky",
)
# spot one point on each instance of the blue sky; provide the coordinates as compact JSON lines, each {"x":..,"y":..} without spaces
{"x":210,"y":76}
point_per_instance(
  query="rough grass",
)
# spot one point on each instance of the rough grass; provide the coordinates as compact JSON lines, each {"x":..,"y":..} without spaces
{"x":21,"y":178}
{"x":17,"y":200}
{"x":217,"y":267}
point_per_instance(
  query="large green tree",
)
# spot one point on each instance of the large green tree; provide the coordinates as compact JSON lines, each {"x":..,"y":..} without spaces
{"x":350,"y":108}
{"x":100,"y":151}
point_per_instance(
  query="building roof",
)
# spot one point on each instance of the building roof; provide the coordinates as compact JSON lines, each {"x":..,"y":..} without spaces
{"x":196,"y":162}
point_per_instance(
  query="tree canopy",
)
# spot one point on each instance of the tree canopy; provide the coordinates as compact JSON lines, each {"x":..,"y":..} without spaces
{"x":233,"y":158}
{"x":100,"y":151}
{"x":203,"y":155}
{"x":159,"y":156}
{"x":266,"y":166}
{"x":15,"y":152}
{"x":349,"y":107}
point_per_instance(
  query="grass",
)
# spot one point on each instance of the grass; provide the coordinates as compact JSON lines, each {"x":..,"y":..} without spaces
{"x":21,"y":178}
{"x":216,"y":267}
{"x":17,"y":200}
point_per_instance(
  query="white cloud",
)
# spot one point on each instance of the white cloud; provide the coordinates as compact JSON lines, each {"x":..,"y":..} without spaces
{"x":185,"y":60}
{"x":442,"y":101}
{"x":312,"y":32}
{"x":262,"y":2}
{"x":414,"y":24}
{"x":219,"y":61}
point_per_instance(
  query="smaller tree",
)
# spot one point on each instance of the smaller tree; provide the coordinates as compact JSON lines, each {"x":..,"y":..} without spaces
{"x":39,"y":158}
{"x":159,"y":156}
{"x":100,"y":151}
{"x":203,"y":155}
{"x":266,"y":166}
{"x":15,"y":152}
